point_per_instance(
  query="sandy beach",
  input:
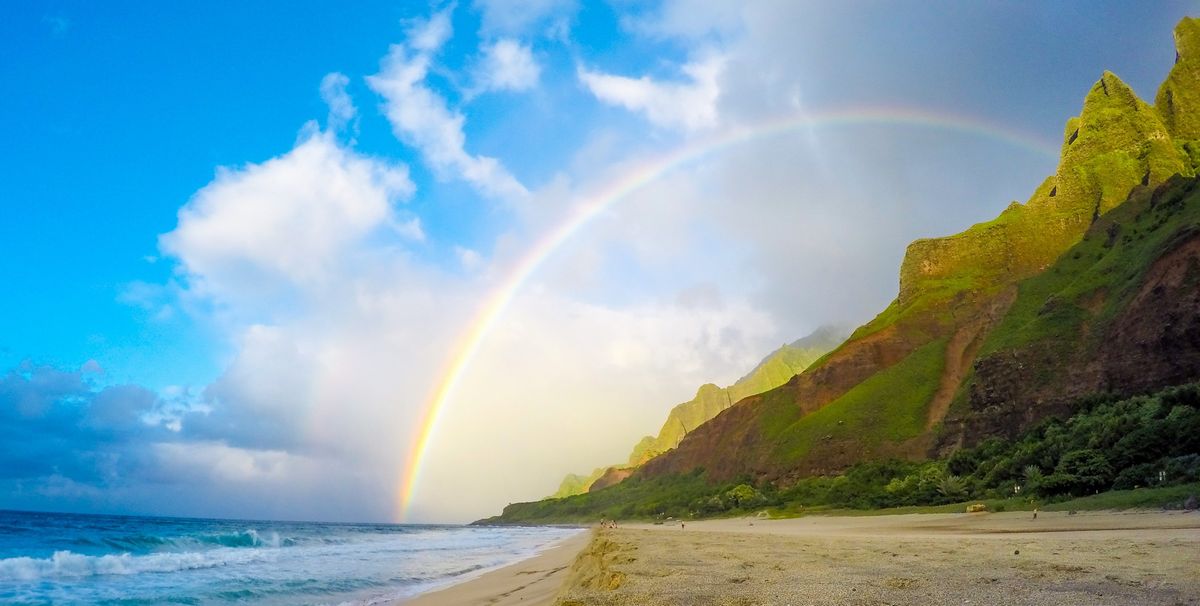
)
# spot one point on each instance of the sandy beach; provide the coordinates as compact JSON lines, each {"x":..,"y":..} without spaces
{"x":1093,"y":558}
{"x":533,"y":581}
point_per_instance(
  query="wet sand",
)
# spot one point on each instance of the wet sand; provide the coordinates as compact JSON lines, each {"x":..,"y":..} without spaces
{"x":1097,"y":558}
{"x":532,"y":581}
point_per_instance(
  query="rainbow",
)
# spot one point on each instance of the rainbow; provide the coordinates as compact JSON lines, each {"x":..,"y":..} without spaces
{"x":592,"y":205}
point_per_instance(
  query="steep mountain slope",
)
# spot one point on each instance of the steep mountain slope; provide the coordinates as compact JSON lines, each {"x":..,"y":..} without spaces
{"x":774,"y":370}
{"x":1074,"y":329}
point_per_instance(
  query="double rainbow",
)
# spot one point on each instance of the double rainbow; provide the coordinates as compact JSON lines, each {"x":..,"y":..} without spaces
{"x":591,"y":206}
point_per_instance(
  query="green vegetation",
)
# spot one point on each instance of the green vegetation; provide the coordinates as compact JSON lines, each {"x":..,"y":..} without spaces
{"x":889,"y":406}
{"x":1178,"y":99}
{"x":1096,"y":278}
{"x":1108,"y":444}
{"x":635,"y":498}
{"x":577,"y":484}
{"x":1169,"y":497}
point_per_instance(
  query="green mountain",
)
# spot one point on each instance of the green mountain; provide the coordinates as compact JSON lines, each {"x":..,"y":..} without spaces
{"x":1091,"y":286}
{"x":984,"y":294}
{"x":774,"y":370}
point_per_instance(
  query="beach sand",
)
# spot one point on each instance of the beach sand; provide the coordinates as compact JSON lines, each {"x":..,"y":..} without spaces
{"x":1093,"y":558}
{"x":1100,"y":558}
{"x":532,"y":581}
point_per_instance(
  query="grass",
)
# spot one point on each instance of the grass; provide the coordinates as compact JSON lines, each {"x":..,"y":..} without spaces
{"x":889,"y":406}
{"x":1096,"y":278}
{"x":1138,"y":498}
{"x":1169,"y":497}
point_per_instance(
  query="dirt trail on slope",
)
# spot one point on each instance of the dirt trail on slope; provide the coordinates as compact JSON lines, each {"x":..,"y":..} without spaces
{"x":961,"y":351}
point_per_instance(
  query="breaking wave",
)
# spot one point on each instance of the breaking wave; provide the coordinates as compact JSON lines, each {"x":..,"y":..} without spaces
{"x":67,"y":564}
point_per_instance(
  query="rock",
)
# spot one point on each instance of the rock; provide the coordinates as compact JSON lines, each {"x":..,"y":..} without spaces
{"x":1191,"y":504}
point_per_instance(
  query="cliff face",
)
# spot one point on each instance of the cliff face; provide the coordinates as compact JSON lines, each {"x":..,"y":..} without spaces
{"x":954,"y":357}
{"x":1178,"y":100}
{"x":1120,"y":313}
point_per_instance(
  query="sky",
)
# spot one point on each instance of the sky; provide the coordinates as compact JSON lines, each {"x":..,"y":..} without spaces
{"x":250,"y":247}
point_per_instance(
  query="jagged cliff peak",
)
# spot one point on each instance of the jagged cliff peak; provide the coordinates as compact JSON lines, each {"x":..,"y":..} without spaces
{"x":1116,"y":142}
{"x":1178,"y":99}
{"x":1187,"y":39}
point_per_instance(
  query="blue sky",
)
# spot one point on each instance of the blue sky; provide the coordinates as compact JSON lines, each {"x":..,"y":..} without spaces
{"x":276,"y":295}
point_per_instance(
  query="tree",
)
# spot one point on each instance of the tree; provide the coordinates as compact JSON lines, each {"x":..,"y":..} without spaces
{"x":952,"y":487}
{"x":1081,"y":472}
{"x":744,"y":495}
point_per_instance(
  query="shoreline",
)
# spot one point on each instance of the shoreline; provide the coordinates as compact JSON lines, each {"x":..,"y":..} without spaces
{"x":533,"y":580}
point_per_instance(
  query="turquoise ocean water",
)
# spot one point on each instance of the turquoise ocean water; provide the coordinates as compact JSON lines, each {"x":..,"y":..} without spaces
{"x":50,"y":558}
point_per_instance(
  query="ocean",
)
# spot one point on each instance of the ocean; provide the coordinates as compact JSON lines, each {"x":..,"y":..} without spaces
{"x":54,"y":558}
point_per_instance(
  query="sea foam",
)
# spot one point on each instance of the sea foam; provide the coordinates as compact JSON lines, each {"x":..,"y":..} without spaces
{"x":65,"y":564}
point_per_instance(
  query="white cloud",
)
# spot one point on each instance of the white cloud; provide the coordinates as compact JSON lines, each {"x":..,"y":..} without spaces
{"x":689,"y":19}
{"x":428,"y":35}
{"x":227,"y":464}
{"x":469,"y":259}
{"x":586,"y":381}
{"x":284,"y":222}
{"x":421,"y":118}
{"x":687,"y":105}
{"x":507,"y":65}
{"x":341,"y":107}
{"x":508,"y":17}
{"x":410,"y":229}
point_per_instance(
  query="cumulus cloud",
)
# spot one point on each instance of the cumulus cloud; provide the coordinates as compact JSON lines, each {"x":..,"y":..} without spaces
{"x":57,"y":427}
{"x":421,"y":118}
{"x":507,"y":64}
{"x":71,"y":444}
{"x":283,"y":223}
{"x":334,"y":380}
{"x":689,"y":105}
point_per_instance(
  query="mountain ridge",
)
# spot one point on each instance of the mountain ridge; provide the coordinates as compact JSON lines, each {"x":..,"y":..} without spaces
{"x":773,"y":370}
